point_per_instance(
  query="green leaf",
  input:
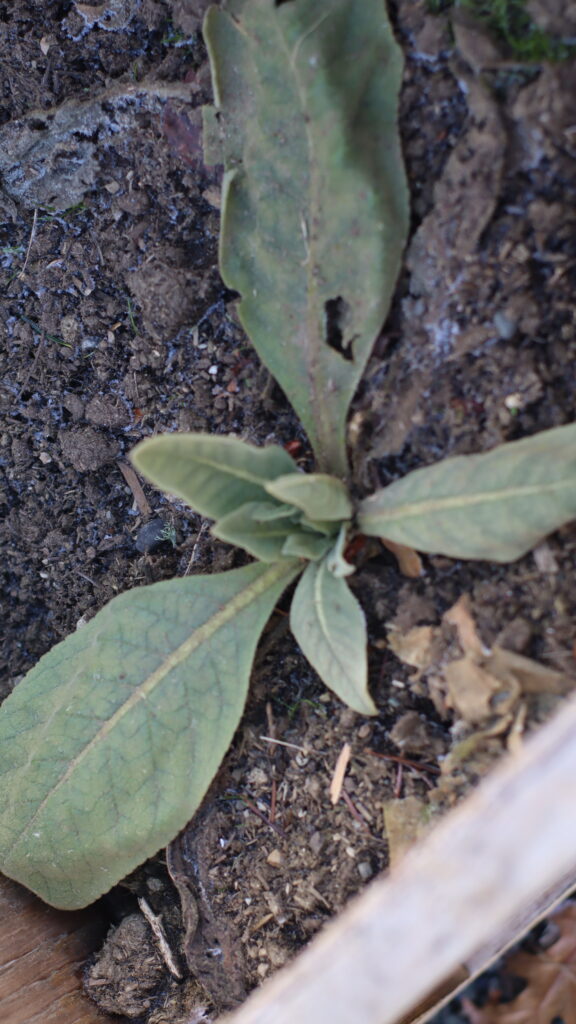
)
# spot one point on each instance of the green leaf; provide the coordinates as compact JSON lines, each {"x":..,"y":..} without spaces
{"x":265,"y":511}
{"x":330,"y":628}
{"x":109,"y":744}
{"x":328,"y":527}
{"x":335,"y":561}
{"x":315,"y":203}
{"x":262,"y":538}
{"x":214,"y":475}
{"x":306,"y":545}
{"x":495,"y":506}
{"x":318,"y":495}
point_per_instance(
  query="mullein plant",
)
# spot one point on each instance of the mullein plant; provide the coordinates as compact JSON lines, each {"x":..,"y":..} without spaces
{"x":108,"y":745}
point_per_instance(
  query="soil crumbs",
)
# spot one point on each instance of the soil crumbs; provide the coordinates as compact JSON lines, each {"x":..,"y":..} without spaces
{"x":116,"y":326}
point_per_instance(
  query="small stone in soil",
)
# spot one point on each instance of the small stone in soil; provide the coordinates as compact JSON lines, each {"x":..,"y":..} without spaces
{"x":152,"y":535}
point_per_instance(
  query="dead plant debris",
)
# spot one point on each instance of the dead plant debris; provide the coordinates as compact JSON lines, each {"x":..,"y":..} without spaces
{"x":550,"y":976}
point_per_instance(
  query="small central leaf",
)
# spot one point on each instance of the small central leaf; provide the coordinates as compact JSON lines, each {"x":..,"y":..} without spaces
{"x":263,"y":538}
{"x":109,"y":744}
{"x":318,"y":495}
{"x":330,"y":627}
{"x":310,"y":546}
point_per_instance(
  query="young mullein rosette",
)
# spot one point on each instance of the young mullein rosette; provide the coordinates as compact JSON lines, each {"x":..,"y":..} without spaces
{"x":261,"y":502}
{"x":110,"y":742}
{"x":108,"y":745}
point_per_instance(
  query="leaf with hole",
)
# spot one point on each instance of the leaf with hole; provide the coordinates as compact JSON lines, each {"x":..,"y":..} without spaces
{"x":214,"y":475}
{"x":497,"y":505}
{"x":315,"y":203}
{"x":110,"y":742}
{"x":330,"y":628}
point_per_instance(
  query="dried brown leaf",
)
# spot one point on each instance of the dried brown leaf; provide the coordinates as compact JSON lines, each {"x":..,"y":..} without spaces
{"x":515,"y":737}
{"x":486,"y":683}
{"x":551,"y":977}
{"x":531,"y":675}
{"x":409,"y":561}
{"x":414,"y":648}
{"x":460,"y":616}
{"x":405,"y":822}
{"x":475,"y":692}
{"x":482,"y":687}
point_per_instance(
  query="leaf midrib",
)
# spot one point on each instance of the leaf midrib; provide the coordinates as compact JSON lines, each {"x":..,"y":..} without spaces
{"x":312,"y":201}
{"x":426,"y":507}
{"x":227,"y":470}
{"x":183,"y":651}
{"x":319,"y":604}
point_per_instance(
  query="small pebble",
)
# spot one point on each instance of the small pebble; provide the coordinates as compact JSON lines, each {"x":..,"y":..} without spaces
{"x":152,"y":535}
{"x":365,"y":870}
{"x":275,"y":859}
{"x":505,"y":326}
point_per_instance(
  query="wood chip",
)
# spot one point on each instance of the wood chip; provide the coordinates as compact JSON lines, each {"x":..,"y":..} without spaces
{"x":155,"y":923}
{"x":340,"y":772}
{"x":135,"y":486}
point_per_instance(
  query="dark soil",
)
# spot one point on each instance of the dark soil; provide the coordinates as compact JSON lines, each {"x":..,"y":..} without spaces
{"x":117,"y":326}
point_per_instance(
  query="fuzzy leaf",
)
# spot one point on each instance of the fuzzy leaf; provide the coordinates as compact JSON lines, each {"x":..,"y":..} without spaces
{"x":326,"y":526}
{"x":214,"y":475}
{"x":263,"y":539}
{"x":110,"y":742}
{"x":335,"y":561}
{"x":495,"y":506}
{"x":315,"y":203}
{"x":330,"y":628}
{"x":265,"y":511}
{"x":306,"y":545}
{"x":318,"y":495}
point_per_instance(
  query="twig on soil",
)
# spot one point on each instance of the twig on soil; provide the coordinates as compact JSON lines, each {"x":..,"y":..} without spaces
{"x":158,"y":931}
{"x":260,"y":924}
{"x":136,"y":487}
{"x":30,"y":244}
{"x":273,"y":803}
{"x":271,"y":824}
{"x":340,"y":772}
{"x":399,"y":781}
{"x":284,"y":743}
{"x":270,"y":719}
{"x":354,"y":811}
{"x":199,"y":535}
{"x":84,"y":576}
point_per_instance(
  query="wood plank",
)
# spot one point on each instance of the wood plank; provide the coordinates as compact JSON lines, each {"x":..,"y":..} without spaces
{"x":42,"y":952}
{"x":481,"y":871}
